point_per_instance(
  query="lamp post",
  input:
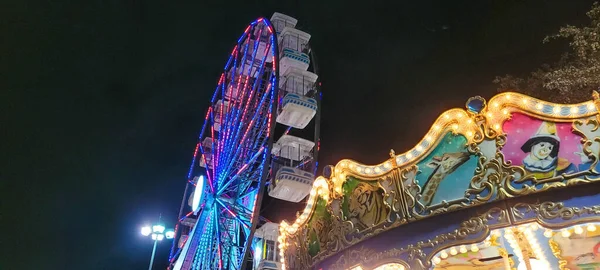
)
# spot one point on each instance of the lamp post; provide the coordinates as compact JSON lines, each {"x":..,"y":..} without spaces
{"x":158,"y":233}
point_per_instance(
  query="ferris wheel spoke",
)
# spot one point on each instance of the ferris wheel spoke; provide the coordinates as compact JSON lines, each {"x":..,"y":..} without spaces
{"x":254,"y":89}
{"x":249,"y":127}
{"x":237,"y":82}
{"x":240,"y":171}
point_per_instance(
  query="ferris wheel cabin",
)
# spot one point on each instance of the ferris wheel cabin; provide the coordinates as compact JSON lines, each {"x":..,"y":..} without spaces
{"x":298,"y":107}
{"x":293,"y":180}
{"x":266,"y":250}
{"x":207,"y":144}
{"x":293,"y":157}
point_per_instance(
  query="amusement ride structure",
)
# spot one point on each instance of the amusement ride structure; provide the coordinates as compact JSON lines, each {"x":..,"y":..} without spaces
{"x":260,"y":134}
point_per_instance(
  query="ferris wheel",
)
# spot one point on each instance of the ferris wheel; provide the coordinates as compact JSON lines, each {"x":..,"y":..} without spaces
{"x":254,"y":135}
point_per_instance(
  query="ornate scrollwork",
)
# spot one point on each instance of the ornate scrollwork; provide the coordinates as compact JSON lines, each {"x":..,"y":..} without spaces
{"x":495,"y":177}
{"x":547,"y":211}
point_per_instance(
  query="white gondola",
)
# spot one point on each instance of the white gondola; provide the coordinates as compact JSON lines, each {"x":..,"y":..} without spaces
{"x":298,"y":81}
{"x":206,"y":146}
{"x":291,"y":184}
{"x":220,"y":106}
{"x":292,"y":148}
{"x":297,"y":110}
{"x":266,"y":248}
{"x":293,"y":49}
{"x":281,"y":21}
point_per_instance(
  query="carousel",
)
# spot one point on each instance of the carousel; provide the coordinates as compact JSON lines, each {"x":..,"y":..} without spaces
{"x":505,"y":184}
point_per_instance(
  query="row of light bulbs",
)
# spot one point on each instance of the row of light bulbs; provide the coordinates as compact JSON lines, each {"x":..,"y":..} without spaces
{"x":320,"y":189}
{"x":578,"y":229}
{"x":455,"y":119}
{"x":528,"y":231}
{"x":444,"y":254}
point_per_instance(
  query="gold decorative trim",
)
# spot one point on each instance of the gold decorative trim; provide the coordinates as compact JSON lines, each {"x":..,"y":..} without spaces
{"x":493,"y":179}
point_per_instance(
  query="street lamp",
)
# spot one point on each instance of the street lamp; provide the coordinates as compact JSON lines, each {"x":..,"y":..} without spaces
{"x":158,"y":233}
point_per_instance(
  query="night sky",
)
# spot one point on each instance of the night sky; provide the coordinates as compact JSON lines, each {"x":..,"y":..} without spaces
{"x":101,"y":101}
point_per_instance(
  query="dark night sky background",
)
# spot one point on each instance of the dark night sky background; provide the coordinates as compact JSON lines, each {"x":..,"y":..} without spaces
{"x":101,"y":101}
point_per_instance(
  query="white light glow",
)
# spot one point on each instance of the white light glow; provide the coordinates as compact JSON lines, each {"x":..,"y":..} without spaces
{"x":158,"y":229}
{"x":146,"y":230}
{"x":198,"y":194}
{"x":160,"y":237}
{"x":154,"y":236}
{"x":257,"y":252}
{"x":170,"y":234}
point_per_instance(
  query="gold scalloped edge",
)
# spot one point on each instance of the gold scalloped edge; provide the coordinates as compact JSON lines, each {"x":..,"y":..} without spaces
{"x":320,"y":189}
{"x":458,"y":121}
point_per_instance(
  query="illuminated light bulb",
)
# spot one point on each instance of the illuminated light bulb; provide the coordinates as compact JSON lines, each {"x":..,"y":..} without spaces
{"x":387,"y":165}
{"x":446,"y":116}
{"x":408,"y":155}
{"x":351,"y":166}
{"x":556,"y":109}
{"x":343,"y":164}
{"x":377,"y":169}
{"x":591,"y":106}
{"x":508,"y":96}
{"x":497,"y":126}
{"x":548,"y":233}
{"x":436,"y":260}
{"x":459,"y":115}
{"x":474,"y":248}
{"x":358,"y":169}
{"x":489,"y":115}
{"x":444,"y":254}
{"x":463,"y":249}
{"x":368,"y":170}
{"x":574,"y":109}
{"x":591,"y":228}
{"x":453,"y":251}
{"x":534,"y":226}
{"x":146,"y":230}
{"x":428,"y":138}
{"x":313,"y":193}
{"x":469,"y":133}
{"x":505,"y":111}
{"x":455,"y":126}
{"x":539,"y":106}
{"x":524,"y":100}
{"x":436,"y":127}
{"x":578,"y":230}
{"x":419,"y":148}
{"x":469,"y":121}
{"x":565,"y":233}
{"x":495,"y":104}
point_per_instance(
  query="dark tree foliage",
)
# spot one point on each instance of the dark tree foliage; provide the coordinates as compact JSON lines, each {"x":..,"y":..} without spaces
{"x":573,"y":78}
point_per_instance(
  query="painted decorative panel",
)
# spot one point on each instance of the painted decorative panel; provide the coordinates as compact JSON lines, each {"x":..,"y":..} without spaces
{"x":510,"y":147}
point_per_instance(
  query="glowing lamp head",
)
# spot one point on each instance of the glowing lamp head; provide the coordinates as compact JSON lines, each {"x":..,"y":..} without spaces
{"x":154,"y":236}
{"x":170,"y":234}
{"x":146,"y":230}
{"x":160,"y":237}
{"x":158,"y":229}
{"x":198,"y":194}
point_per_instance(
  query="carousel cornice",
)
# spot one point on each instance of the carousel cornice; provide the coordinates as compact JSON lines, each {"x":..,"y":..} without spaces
{"x":479,"y":123}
